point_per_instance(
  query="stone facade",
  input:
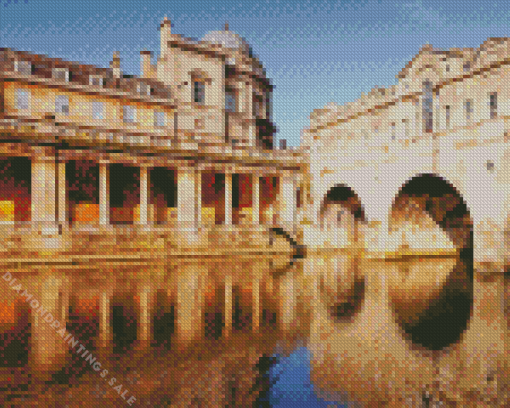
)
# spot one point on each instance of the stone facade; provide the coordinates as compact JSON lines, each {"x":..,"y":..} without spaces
{"x":446,"y":116}
{"x":100,"y":166}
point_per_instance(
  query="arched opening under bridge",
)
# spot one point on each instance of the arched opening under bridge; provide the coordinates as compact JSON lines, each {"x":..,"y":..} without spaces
{"x":431,"y":290}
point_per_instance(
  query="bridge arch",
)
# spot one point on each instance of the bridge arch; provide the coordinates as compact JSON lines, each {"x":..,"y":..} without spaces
{"x":340,"y":207}
{"x":433,"y":196}
{"x":432,"y":297}
{"x":341,"y":286}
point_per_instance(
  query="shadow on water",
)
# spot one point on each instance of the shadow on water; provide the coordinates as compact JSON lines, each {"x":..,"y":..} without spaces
{"x":448,"y":316}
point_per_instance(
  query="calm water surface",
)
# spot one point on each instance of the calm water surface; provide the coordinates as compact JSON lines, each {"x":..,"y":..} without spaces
{"x":273,"y":368}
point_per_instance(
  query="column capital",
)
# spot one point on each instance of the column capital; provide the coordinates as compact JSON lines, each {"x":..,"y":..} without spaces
{"x":43,"y":159}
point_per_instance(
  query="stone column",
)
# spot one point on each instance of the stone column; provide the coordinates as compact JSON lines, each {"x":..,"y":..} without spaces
{"x":252,"y":134}
{"x":228,"y":199}
{"x":144,"y":195}
{"x":255,"y":207}
{"x":145,"y":319}
{"x":228,"y":305}
{"x":190,"y":302}
{"x":104,"y":320}
{"x":62,"y":204}
{"x":287,"y":200}
{"x":248,"y":100}
{"x":49,"y":347}
{"x":104,"y":193}
{"x":199,"y":198}
{"x":186,"y":208}
{"x":44,"y":191}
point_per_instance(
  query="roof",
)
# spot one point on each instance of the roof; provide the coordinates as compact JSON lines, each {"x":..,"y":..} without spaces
{"x":227,"y":39}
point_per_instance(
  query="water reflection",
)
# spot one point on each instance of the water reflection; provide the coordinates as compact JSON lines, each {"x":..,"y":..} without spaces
{"x":422,"y":330}
{"x":289,"y":383}
{"x":332,"y":330}
{"x":432,"y":299}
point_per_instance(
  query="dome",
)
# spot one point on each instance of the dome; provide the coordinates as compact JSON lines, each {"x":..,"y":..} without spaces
{"x":227,"y":39}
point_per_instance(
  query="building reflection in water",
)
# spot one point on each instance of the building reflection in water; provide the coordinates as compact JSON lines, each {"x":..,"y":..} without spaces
{"x":316,"y":342}
{"x":384,"y":348}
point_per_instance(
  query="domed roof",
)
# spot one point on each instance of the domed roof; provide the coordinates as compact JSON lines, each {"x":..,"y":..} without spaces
{"x":227,"y":39}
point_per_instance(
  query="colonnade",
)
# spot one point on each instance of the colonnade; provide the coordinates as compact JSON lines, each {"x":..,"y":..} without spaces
{"x":49,"y":195}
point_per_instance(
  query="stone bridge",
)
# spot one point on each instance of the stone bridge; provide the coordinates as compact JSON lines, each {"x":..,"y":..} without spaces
{"x":441,"y":127}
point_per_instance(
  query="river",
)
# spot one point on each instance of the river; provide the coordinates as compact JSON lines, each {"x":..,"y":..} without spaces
{"x":318,"y":345}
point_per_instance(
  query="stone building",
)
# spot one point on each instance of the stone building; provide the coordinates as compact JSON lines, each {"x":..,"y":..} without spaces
{"x":446,"y":119}
{"x":106,"y":167}
{"x":421,"y":171}
{"x":207,"y":100}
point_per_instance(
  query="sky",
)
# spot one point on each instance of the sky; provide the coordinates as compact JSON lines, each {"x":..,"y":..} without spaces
{"x":315,"y":52}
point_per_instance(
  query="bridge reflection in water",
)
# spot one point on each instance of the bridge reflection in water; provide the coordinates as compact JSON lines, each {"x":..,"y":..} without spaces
{"x":212,"y":332}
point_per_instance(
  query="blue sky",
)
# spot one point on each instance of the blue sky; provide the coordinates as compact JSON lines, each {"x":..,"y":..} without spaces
{"x":315,"y":52}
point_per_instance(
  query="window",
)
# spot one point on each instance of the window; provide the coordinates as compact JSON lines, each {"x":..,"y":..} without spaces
{"x":493,"y":104}
{"x":447,"y":68}
{"x":427,"y":106}
{"x":269,"y":113}
{"x":257,"y":106}
{"x":61,"y":74}
{"x":22,"y":99}
{"x":129,"y":114}
{"x":230,"y":101}
{"x":98,"y":110}
{"x":447,"y":114}
{"x":199,"y":92}
{"x":393,"y":131}
{"x":95,"y":81}
{"x":62,"y":104}
{"x":23,"y":67}
{"x":159,"y":119}
{"x":144,"y":89}
{"x":469,"y":109}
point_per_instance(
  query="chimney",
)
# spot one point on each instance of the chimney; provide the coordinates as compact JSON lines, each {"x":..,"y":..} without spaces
{"x":283,"y":144}
{"x":166,"y":33}
{"x":145,"y":64}
{"x":115,"y":65}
